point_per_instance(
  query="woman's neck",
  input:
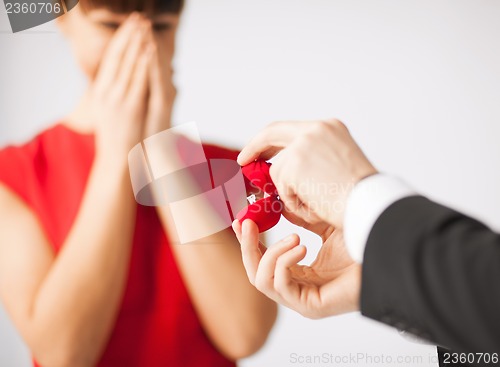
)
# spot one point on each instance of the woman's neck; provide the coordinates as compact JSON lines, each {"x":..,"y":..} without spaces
{"x":80,"y":119}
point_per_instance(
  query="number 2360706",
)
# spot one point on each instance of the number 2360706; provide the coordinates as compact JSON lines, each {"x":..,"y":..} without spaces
{"x":33,"y":8}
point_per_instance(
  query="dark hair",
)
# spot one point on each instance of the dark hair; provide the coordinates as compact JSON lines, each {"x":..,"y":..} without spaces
{"x":129,"y":6}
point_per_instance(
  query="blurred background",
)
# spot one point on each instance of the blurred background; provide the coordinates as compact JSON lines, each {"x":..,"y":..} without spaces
{"x":417,"y":82}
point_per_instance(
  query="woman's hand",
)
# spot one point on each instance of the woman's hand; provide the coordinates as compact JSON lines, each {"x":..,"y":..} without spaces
{"x":118,"y":97}
{"x":330,"y":286}
{"x":162,"y":91}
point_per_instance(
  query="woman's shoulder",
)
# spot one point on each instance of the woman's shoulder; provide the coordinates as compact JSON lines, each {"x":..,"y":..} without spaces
{"x":18,"y":167}
{"x":16,"y":158}
{"x":34,"y":145}
{"x":22,"y":165}
{"x":49,"y":139}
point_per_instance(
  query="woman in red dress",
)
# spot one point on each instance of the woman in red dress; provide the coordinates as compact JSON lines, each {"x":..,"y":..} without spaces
{"x":89,"y":277}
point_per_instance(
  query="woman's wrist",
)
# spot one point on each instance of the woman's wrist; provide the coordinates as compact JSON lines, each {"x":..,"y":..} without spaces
{"x":111,"y":168}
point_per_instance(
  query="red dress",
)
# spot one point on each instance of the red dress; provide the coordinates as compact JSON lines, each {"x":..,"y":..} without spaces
{"x":157,"y":324}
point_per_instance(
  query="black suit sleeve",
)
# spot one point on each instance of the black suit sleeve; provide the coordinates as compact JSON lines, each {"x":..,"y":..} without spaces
{"x":434,"y":272}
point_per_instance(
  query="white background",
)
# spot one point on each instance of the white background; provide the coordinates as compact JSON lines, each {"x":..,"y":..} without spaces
{"x":417,"y":82}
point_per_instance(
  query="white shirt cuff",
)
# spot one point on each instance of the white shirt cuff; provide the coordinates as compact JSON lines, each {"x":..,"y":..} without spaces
{"x":366,"y":202}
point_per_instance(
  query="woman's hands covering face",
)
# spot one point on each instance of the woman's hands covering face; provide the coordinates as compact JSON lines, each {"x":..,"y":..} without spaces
{"x":132,"y":95}
{"x":162,"y":91}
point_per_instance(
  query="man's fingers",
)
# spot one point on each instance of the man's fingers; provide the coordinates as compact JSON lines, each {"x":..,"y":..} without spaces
{"x":264,"y":279}
{"x":271,"y":140}
{"x":287,"y":288}
{"x":289,"y":199}
{"x":237,"y":229}
{"x":294,"y":209}
{"x":249,"y":239}
{"x":108,"y":69}
{"x":305,"y":220}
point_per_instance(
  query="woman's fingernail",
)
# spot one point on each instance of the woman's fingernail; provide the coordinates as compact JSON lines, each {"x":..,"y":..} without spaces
{"x":289,"y":239}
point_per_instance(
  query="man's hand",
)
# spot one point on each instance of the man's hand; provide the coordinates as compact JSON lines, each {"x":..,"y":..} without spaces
{"x":330,"y":286}
{"x":318,"y":166}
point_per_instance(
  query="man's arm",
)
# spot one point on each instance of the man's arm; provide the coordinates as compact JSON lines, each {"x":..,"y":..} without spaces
{"x":432,"y":271}
{"x":427,"y":268}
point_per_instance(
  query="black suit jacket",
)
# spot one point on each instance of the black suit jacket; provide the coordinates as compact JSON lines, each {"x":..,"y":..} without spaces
{"x":434,"y":272}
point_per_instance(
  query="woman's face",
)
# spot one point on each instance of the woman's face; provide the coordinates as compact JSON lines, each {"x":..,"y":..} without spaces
{"x":89,"y":33}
